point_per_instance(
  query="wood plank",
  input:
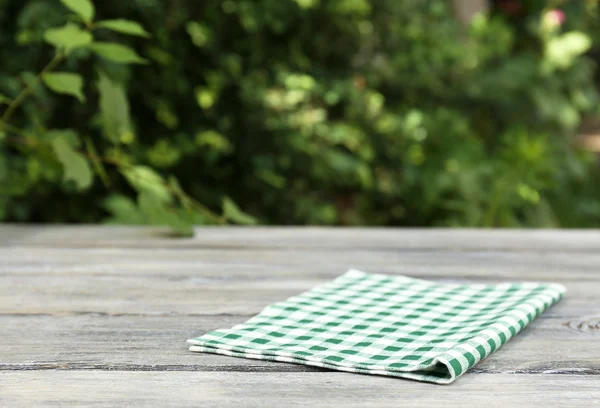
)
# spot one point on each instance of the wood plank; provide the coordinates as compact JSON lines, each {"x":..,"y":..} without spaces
{"x":95,"y":315}
{"x":242,"y":264}
{"x":157,"y":343}
{"x":116,"y":281}
{"x":102,"y":388}
{"x":193,"y":294}
{"x":303,"y":238}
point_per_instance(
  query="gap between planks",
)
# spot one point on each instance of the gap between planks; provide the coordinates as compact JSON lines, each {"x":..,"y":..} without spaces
{"x":275,"y":368}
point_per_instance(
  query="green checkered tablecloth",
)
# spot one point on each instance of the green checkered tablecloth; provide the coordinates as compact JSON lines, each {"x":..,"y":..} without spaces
{"x":387,"y":325}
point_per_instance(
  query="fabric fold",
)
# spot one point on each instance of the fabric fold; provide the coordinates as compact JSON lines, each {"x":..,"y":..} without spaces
{"x":387,"y":325}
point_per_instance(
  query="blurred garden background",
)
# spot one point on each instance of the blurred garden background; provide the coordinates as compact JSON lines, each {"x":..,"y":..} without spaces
{"x":328,"y":112}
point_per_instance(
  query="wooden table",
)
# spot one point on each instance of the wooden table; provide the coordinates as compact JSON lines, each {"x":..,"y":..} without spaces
{"x":99,"y":316}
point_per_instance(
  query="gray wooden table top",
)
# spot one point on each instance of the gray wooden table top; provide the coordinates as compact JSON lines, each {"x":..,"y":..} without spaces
{"x":98,"y":316}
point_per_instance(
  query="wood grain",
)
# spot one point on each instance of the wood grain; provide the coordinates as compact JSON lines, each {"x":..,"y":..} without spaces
{"x":98,"y":316}
{"x":192,"y":296}
{"x":151,"y":342}
{"x":302,"y":238}
{"x":442,"y":264}
{"x":307,"y":389}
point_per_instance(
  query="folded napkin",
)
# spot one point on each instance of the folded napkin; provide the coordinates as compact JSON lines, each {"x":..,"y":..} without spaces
{"x":387,"y":325}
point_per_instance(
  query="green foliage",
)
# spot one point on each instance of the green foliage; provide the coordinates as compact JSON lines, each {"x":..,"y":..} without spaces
{"x":232,"y":213}
{"x":124,"y":27}
{"x":114,"y":110}
{"x":65,"y":83}
{"x":68,"y":37}
{"x":561,"y":51}
{"x":76,"y":167}
{"x":347,"y":112}
{"x":147,"y":181}
{"x":83,"y":8}
{"x":117,"y":53}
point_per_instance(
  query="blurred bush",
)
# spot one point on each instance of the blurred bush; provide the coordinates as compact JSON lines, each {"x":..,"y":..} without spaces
{"x":352,"y":112}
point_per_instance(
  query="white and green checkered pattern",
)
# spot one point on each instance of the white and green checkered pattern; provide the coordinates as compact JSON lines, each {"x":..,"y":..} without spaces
{"x":387,"y":325}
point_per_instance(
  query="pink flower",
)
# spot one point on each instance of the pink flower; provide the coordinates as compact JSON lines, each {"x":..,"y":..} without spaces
{"x":554,"y":18}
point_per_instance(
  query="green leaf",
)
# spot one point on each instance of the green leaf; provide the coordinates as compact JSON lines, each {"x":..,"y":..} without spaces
{"x":83,"y":8}
{"x":65,"y":83}
{"x":67,"y":135}
{"x":200,"y":34}
{"x":145,"y":180}
{"x":117,"y":53}
{"x":123,"y":210}
{"x":4,"y":99}
{"x":213,"y":140}
{"x":68,"y":37}
{"x":124,"y":27}
{"x":114,"y":109}
{"x":561,"y":51}
{"x":205,"y":97}
{"x":75,"y":167}
{"x":154,"y":209}
{"x":158,"y":213}
{"x":148,"y":211}
{"x":233,"y":213}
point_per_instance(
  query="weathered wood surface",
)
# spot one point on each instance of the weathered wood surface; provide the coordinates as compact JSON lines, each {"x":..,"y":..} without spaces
{"x":305,"y":389}
{"x":348,"y":239}
{"x":100,"y":315}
